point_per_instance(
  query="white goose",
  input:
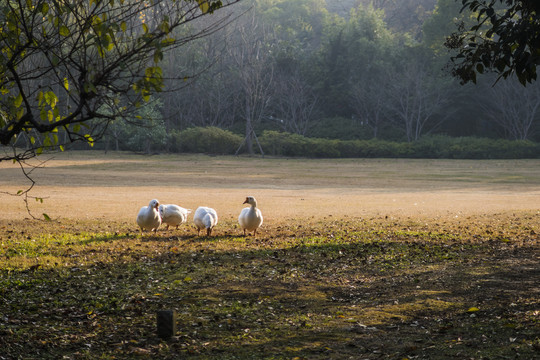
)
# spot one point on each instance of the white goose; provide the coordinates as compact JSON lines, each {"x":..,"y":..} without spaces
{"x":148,"y":217}
{"x":251,"y":217}
{"x":205,"y":218}
{"x":173,"y":215}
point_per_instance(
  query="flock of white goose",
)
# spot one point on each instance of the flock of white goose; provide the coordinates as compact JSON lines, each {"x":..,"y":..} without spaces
{"x":152,"y":216}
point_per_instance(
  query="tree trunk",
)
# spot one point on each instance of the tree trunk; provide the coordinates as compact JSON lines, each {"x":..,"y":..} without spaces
{"x":249,"y":130}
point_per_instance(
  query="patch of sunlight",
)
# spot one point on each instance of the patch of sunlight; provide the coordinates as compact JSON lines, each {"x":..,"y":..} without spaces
{"x":385,"y":314}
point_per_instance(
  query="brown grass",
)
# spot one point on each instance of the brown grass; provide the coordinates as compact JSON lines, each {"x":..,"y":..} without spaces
{"x":91,"y":185}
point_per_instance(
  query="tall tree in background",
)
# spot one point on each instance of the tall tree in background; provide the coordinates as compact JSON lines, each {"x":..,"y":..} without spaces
{"x":206,"y":96}
{"x":405,"y":16}
{"x":350,"y":50}
{"x":297,"y":28}
{"x":515,"y":108}
{"x":369,"y":102}
{"x":295,"y":102}
{"x":444,"y":20}
{"x":372,"y":48}
{"x":254,"y":71}
{"x":417,"y":95}
{"x":63,"y":62}
{"x":505,"y":39}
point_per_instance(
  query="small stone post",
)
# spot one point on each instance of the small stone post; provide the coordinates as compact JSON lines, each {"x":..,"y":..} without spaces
{"x":166,"y":323}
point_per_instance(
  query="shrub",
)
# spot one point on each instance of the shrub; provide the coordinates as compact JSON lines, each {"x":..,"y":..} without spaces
{"x":217,"y":141}
{"x":211,"y":140}
{"x":323,"y":148}
{"x":475,"y":148}
{"x":432,"y":147}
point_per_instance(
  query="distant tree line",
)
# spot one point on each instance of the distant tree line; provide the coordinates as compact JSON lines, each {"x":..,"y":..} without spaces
{"x":332,"y":78}
{"x":295,"y":67}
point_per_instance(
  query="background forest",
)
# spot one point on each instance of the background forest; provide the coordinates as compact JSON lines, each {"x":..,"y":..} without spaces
{"x":331,"y":78}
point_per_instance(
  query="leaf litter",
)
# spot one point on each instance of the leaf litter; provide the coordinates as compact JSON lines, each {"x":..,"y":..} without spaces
{"x":327,"y":289}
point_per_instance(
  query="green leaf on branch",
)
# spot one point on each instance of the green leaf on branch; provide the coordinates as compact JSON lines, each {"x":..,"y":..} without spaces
{"x":44,"y":8}
{"x":89,"y":140}
{"x":204,"y":6}
{"x":158,"y":56}
{"x":18,"y":100}
{"x":64,"y":31}
{"x":43,"y":114}
{"x":51,"y":99}
{"x":20,"y":113}
{"x":164,"y":26}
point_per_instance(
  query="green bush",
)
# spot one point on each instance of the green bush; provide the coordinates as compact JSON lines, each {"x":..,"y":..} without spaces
{"x":283,"y":144}
{"x":211,"y":140}
{"x":432,"y":147}
{"x":435,"y":147}
{"x":474,"y":148}
{"x":217,"y":141}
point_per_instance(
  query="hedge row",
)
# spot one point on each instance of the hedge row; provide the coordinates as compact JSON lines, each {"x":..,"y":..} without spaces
{"x":210,"y":140}
{"x":217,"y":141}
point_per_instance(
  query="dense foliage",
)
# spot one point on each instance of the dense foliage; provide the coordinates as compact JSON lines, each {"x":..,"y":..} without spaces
{"x":312,"y":68}
{"x":505,"y":39}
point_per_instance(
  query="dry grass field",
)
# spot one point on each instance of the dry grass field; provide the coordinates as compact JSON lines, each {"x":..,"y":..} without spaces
{"x":90,"y":185}
{"x":357,"y":259}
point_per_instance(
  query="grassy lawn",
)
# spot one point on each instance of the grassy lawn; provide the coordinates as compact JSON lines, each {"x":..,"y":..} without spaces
{"x":327,"y":283}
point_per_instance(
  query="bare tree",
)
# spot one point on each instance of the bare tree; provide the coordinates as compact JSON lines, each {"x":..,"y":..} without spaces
{"x":369,"y":101}
{"x":295,"y":101}
{"x":206,"y":95}
{"x":209,"y":100}
{"x":514,"y":107}
{"x":254,"y":72}
{"x":417,"y":97}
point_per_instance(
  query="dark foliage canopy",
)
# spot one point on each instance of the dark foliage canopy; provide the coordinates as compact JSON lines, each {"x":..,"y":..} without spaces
{"x":505,"y":39}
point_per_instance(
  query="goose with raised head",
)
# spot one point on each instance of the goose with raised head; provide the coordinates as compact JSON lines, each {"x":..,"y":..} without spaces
{"x":205,"y":218}
{"x":250,"y":218}
{"x":148,"y":217}
{"x":173,"y":215}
